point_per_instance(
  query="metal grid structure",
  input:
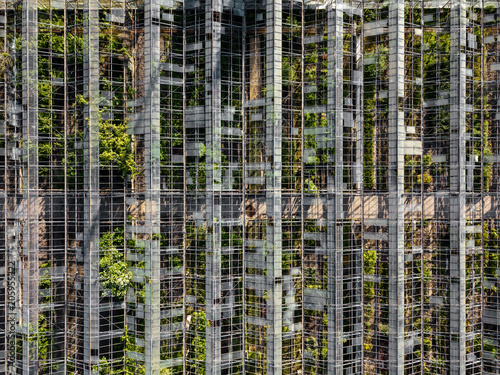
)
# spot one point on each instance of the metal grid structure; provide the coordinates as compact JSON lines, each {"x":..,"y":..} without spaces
{"x":249,"y":186}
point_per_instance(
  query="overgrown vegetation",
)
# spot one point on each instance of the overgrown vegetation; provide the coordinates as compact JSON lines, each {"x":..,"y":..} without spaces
{"x":306,"y":167}
{"x":115,"y":147}
{"x":115,"y":274}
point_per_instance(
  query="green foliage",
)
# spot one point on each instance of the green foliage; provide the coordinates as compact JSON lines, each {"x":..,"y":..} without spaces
{"x":310,"y":187}
{"x":132,"y":367}
{"x":372,"y":72}
{"x":370,"y":257}
{"x":483,"y":148}
{"x":436,"y":64}
{"x":124,"y":365}
{"x":198,"y":168}
{"x":196,"y":238}
{"x":47,"y":128}
{"x":383,"y":328}
{"x":198,"y":326}
{"x":115,"y":143}
{"x":43,"y":338}
{"x":39,"y":338}
{"x":379,"y":66}
{"x":115,"y":147}
{"x":316,"y":350}
{"x":368,"y":159}
{"x":491,"y":258}
{"x":103,"y":368}
{"x":45,"y":283}
{"x":415,"y":177}
{"x":370,"y":261}
{"x":81,"y":100}
{"x":6,"y":61}
{"x":115,"y":273}
{"x":55,"y":143}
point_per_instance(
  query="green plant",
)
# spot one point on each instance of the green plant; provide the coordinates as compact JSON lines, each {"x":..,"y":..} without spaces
{"x":43,"y":341}
{"x":115,"y":273}
{"x":310,"y":187}
{"x":370,"y":261}
{"x":115,"y":146}
{"x":6,"y":61}
{"x":199,"y":324}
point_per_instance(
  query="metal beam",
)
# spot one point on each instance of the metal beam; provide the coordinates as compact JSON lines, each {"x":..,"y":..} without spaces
{"x":91,"y":185}
{"x":335,"y":188}
{"x":152,"y":187}
{"x":30,"y":188}
{"x":457,"y":186}
{"x":213,"y":29}
{"x":273,"y":128}
{"x":396,"y":186}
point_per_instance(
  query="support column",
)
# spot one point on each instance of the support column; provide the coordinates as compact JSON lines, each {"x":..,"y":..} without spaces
{"x":457,"y":187}
{"x":396,"y":186}
{"x":335,"y":188}
{"x":152,"y":187}
{"x":357,"y":284}
{"x":213,"y":14}
{"x":273,"y":185}
{"x":14,"y":214}
{"x":91,"y":185}
{"x":30,"y":188}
